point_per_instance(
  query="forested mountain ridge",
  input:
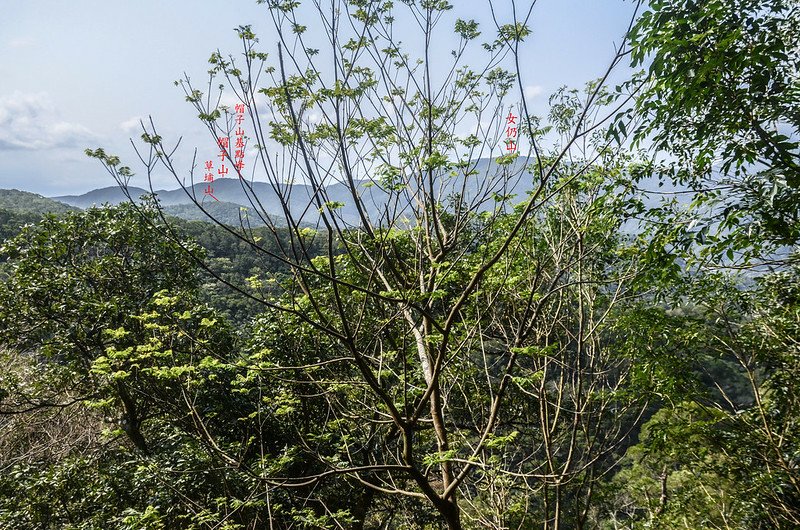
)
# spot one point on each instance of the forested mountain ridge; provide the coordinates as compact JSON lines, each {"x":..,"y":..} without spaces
{"x":18,"y":208}
{"x":31,"y":203}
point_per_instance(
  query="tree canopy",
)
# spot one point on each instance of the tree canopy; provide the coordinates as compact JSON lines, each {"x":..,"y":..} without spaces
{"x":447,"y":324}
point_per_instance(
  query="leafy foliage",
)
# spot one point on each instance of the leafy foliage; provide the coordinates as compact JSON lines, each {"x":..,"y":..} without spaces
{"x":466,"y":355}
{"x":723,"y":97}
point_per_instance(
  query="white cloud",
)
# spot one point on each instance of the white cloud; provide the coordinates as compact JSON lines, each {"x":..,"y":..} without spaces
{"x":315,"y":118}
{"x":131,"y":125}
{"x":21,"y":42}
{"x":31,"y":121}
{"x":531,"y":91}
{"x":229,"y":100}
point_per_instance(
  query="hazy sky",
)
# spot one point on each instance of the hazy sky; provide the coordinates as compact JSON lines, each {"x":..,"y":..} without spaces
{"x":81,"y":73}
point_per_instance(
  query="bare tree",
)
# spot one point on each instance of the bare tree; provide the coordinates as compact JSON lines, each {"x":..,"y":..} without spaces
{"x":460,"y":300}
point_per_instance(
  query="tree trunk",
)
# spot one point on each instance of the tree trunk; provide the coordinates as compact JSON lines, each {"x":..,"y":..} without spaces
{"x":451,"y":513}
{"x":361,"y":509}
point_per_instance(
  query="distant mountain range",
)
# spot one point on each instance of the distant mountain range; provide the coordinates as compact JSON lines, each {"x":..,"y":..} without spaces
{"x":233,"y":196}
{"x":234,"y":199}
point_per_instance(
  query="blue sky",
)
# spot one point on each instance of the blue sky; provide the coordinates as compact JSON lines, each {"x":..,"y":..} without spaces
{"x":82,"y":73}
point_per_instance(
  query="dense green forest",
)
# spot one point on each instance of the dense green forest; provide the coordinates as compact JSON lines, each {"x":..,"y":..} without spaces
{"x":598,"y":330}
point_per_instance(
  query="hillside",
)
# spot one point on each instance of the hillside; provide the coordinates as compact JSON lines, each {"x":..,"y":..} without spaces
{"x":18,"y":208}
{"x":225,"y":212}
{"x":24,"y":202}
